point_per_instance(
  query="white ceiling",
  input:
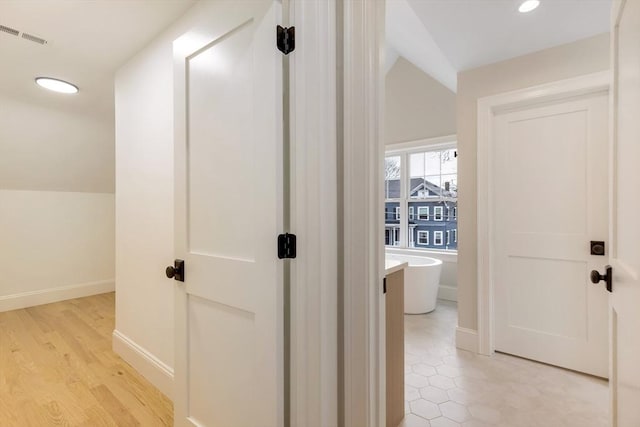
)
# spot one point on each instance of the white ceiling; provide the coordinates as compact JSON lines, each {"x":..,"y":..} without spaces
{"x":90,"y":39}
{"x":472,"y":33}
{"x":87,"y":42}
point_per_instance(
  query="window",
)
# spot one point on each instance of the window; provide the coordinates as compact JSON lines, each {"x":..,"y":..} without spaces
{"x":421,"y":184}
{"x":423,"y":212}
{"x":437,"y":213}
{"x":437,"y":238}
{"x":392,"y":236}
{"x":455,"y":236}
{"x":392,"y":177}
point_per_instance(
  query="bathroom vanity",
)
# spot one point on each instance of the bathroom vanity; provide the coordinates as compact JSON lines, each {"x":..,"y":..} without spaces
{"x":394,"y":321}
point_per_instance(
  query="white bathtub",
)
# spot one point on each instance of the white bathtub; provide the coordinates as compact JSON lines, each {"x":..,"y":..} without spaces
{"x":421,"y":281}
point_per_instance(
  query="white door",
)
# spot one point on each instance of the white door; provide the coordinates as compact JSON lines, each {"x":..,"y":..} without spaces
{"x":625,"y":214}
{"x":228,"y":195}
{"x":550,"y":193}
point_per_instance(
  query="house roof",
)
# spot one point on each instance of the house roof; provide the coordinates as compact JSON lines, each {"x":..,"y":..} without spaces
{"x":417,"y":184}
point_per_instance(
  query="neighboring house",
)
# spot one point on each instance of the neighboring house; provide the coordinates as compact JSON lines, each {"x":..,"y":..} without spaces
{"x":433,"y":215}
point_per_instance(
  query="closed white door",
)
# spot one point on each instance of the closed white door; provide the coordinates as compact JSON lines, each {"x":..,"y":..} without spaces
{"x":625,"y":216}
{"x":550,"y":194}
{"x":228,"y":195}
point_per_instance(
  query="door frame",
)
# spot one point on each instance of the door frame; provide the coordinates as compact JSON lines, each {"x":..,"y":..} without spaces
{"x":487,"y":109}
{"x":361,"y":207}
{"x":313,"y":192}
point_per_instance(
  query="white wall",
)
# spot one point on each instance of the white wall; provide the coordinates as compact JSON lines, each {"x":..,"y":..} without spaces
{"x":416,"y":105}
{"x":55,"y":245}
{"x":144,"y":213}
{"x":558,"y":63}
{"x":56,"y":204}
{"x":50,"y":149}
{"x":144,"y":204}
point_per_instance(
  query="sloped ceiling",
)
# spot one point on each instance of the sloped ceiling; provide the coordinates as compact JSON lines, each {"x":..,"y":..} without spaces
{"x":443,"y":37}
{"x":87,"y":42}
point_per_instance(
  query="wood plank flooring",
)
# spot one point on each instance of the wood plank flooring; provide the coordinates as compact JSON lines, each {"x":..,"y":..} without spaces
{"x":57,"y":369}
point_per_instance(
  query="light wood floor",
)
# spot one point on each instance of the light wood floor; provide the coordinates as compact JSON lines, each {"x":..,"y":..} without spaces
{"x":57,"y":369}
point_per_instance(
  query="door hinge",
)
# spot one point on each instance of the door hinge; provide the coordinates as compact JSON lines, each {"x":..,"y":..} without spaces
{"x":286,"y":39}
{"x":286,"y":246}
{"x":384,"y":285}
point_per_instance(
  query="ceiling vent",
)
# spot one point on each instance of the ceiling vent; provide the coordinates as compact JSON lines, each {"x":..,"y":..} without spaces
{"x":26,"y":36}
{"x":9,"y":30}
{"x":33,"y":38}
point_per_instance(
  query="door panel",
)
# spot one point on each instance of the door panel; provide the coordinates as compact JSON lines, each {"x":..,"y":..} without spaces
{"x":625,"y":208}
{"x":550,"y":196}
{"x":229,"y":312}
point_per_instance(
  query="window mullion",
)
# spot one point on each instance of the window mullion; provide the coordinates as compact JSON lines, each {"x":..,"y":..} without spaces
{"x":404,"y":206}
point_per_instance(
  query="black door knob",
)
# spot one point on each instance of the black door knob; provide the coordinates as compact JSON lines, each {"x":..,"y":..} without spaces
{"x":596,"y":277}
{"x":176,"y":271}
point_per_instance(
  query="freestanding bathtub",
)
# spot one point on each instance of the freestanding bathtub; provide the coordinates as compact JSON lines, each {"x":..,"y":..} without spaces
{"x":421,"y":281}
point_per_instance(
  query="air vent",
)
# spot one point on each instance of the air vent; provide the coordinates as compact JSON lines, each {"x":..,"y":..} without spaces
{"x":9,"y":30}
{"x":33,"y":38}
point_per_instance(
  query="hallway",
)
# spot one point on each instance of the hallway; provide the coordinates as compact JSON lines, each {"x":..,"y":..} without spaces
{"x":57,"y":368}
{"x":449,"y":387}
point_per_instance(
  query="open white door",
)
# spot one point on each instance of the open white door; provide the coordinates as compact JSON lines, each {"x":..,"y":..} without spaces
{"x":625,"y":216}
{"x":228,"y":196}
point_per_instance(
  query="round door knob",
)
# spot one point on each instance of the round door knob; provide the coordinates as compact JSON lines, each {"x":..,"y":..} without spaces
{"x":170,"y":272}
{"x":596,"y":277}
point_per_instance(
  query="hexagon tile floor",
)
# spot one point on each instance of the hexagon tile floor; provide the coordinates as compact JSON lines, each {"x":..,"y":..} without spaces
{"x":446,"y":387}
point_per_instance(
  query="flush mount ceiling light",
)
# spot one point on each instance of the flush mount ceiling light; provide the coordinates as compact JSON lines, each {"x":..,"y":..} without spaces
{"x":56,"y":85}
{"x":528,"y":6}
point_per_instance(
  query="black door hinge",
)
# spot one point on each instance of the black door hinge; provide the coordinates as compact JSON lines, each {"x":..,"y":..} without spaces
{"x":286,"y":39}
{"x":384,"y":285}
{"x":286,"y":246}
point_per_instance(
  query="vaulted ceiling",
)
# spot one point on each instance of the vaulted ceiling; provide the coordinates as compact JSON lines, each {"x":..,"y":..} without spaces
{"x":443,"y":37}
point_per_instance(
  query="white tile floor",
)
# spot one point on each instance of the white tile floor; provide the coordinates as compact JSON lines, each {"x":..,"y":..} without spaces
{"x":450,"y":387}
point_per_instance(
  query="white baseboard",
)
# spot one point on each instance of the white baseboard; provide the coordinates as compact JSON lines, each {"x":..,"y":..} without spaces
{"x":467,"y":339}
{"x":150,"y":367}
{"x":47,"y":296}
{"x":449,"y":293}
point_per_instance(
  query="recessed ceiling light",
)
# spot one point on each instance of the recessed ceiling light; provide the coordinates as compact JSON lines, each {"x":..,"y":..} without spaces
{"x":56,"y":85}
{"x":528,"y":5}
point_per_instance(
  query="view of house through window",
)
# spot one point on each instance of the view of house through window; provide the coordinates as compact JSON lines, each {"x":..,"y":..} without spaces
{"x":421,"y":192}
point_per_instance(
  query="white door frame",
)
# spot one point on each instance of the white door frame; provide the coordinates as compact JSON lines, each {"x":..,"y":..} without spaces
{"x":361,"y":39}
{"x":313,"y":195}
{"x":487,"y":109}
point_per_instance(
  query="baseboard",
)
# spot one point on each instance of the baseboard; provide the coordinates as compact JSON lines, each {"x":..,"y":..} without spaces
{"x":449,"y":293}
{"x":150,"y":367}
{"x":467,"y":339}
{"x":48,"y":296}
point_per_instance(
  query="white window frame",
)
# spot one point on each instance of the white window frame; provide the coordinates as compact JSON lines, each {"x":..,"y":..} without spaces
{"x":397,"y":209}
{"x":411,"y":215}
{"x":455,"y":235}
{"x":404,"y":150}
{"x":423,"y":233}
{"x":448,"y":237}
{"x":455,"y":212}
{"x":437,"y":234}
{"x":437,"y":209}
{"x":419,"y":214}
